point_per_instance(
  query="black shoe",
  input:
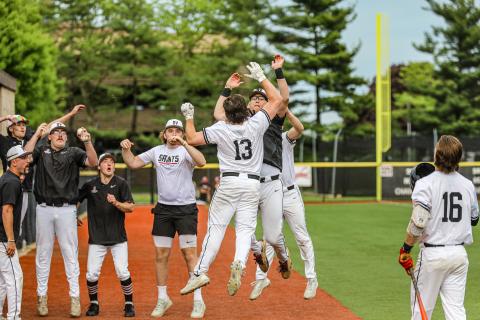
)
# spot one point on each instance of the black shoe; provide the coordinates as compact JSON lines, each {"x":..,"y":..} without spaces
{"x":93,"y":310}
{"x":129,"y":310}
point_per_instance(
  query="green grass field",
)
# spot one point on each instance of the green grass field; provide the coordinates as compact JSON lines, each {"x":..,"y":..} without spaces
{"x":356,"y":249}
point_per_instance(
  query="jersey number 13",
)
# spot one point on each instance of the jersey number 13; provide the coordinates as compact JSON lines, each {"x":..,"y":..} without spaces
{"x":246,"y":145}
{"x":452,"y":211}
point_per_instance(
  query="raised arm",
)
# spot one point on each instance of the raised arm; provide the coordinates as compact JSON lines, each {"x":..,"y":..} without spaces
{"x":85,"y":137}
{"x":194,"y":138}
{"x":277,"y":65}
{"x":297,"y":127}
{"x":36,"y":136}
{"x":133,"y":162}
{"x":274,"y":97}
{"x":233,"y":82}
{"x":67,"y":116}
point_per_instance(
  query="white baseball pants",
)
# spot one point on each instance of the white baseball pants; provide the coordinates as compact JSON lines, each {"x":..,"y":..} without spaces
{"x":235,"y":195}
{"x":60,"y":222}
{"x":11,"y":282}
{"x":96,"y":255}
{"x":441,"y":270}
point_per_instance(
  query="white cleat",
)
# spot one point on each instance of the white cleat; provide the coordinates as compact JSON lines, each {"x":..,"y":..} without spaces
{"x":311,"y":289}
{"x":42,"y":306}
{"x":235,"y":278}
{"x":199,"y":308}
{"x":161,"y":307}
{"x":75,"y":308}
{"x":194,"y":283}
{"x":258,"y":287}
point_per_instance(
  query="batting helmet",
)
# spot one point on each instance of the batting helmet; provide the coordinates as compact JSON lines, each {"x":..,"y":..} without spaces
{"x":421,"y":170}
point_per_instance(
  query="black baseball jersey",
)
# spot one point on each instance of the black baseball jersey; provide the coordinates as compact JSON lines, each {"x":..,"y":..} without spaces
{"x":6,"y":142}
{"x":57,"y":173}
{"x":106,"y":223}
{"x":11,"y":193}
{"x":272,"y":143}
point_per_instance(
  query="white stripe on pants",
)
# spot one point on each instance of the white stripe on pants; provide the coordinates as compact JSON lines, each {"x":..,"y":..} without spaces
{"x":294,"y":213}
{"x":62,"y":222}
{"x":235,"y":195}
{"x":442,"y":270}
{"x":24,"y":211}
{"x":96,"y":255}
{"x":11,"y":282}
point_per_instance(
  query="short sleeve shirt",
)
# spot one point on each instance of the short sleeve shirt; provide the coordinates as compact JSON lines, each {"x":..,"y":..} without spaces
{"x":288,"y":172}
{"x":11,"y":193}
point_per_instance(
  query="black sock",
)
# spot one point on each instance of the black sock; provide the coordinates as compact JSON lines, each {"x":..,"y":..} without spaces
{"x":92,"y":290}
{"x":127,"y":288}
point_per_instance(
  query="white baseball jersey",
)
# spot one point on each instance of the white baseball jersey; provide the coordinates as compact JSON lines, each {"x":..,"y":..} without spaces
{"x":288,"y":165}
{"x":239,"y":147}
{"x":452,"y":202}
{"x":174,"y":167}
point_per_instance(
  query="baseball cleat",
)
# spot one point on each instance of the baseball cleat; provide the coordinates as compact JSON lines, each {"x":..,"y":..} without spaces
{"x":261,"y":258}
{"x":199,"y":308}
{"x":235,"y":278}
{"x":75,"y":308}
{"x":195,"y":282}
{"x":93,"y":310}
{"x":129,"y":310}
{"x":311,"y":289}
{"x":285,"y":268}
{"x":42,"y":307}
{"x":258,"y":287}
{"x":161,"y":307}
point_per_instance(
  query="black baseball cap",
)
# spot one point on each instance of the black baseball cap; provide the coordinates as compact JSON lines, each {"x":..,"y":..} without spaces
{"x":104,"y":156}
{"x":259,"y":91}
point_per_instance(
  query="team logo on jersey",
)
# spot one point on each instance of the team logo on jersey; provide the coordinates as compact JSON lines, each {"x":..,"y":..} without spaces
{"x":113,"y":186}
{"x":47,"y":151}
{"x":94,"y":189}
{"x":168,"y":160}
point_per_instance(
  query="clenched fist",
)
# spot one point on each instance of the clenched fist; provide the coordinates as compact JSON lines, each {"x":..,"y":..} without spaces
{"x":405,"y":260}
{"x":187,"y":110}
{"x":256,"y":72}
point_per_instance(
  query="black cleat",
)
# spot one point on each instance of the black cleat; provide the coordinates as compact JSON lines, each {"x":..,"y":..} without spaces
{"x":129,"y":310}
{"x":93,"y":310}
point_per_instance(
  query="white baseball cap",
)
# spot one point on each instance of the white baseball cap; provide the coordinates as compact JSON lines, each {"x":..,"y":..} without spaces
{"x":174,"y":123}
{"x":16,"y":152}
{"x":57,"y":126}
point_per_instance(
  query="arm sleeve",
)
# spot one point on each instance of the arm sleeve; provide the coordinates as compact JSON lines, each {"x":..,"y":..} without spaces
{"x":39,"y":147}
{"x":148,"y":156}
{"x":422,"y":195}
{"x":10,"y":192}
{"x":474,"y":213}
{"x":213,"y":133}
{"x":260,"y":121}
{"x":287,"y":143}
{"x":125,"y":193}
{"x":79,"y":156}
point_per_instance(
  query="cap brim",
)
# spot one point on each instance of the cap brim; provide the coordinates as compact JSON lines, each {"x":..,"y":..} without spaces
{"x":21,"y":155}
{"x":59,"y":128}
{"x":258,"y":93}
{"x":105,"y":158}
{"x":178,"y":127}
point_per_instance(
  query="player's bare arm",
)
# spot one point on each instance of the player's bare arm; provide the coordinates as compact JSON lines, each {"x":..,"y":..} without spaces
{"x":42,"y":128}
{"x":233,"y":81}
{"x":194,"y":138}
{"x":277,"y":65}
{"x":67,"y":116}
{"x":197,"y":156}
{"x":126,"y":207}
{"x":274,"y":97}
{"x":86,"y":138}
{"x":133,"y":162}
{"x":7,"y":218}
{"x":297,"y":128}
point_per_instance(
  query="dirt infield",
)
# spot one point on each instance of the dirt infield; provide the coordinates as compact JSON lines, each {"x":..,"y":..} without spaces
{"x":282,"y":300}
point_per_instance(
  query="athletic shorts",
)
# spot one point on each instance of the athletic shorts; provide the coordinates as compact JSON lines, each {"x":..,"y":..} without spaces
{"x":170,"y":219}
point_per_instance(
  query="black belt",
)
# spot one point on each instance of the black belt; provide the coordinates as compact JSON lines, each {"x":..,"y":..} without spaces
{"x":236,"y":174}
{"x":291,"y":187}
{"x":56,"y":202}
{"x":429,"y":245}
{"x":262,"y":179}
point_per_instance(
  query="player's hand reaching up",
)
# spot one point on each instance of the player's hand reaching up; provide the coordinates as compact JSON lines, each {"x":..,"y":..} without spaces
{"x":234,"y":81}
{"x":126,"y":144}
{"x":256,"y":72}
{"x":405,"y":260}
{"x":187,"y":110}
{"x":277,"y":62}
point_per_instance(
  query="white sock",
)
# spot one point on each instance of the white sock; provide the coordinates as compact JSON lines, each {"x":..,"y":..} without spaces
{"x":162,"y":292}
{"x":197,"y":294}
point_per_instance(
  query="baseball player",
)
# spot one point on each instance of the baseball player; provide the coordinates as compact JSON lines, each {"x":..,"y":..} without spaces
{"x":109,"y":198}
{"x":56,"y":191}
{"x":239,"y":141}
{"x":294,"y":213}
{"x":445,"y":208}
{"x":19,"y":133}
{"x":11,"y":276}
{"x":271,"y":196}
{"x":176,"y":210}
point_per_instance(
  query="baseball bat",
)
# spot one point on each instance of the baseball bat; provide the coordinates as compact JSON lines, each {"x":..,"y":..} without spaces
{"x":423,"y":312}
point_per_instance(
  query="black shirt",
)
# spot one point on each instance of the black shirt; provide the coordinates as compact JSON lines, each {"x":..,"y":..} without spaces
{"x":272,"y":143}
{"x":6,"y":142}
{"x":11,"y":193}
{"x":57,"y":173}
{"x":106,"y":223}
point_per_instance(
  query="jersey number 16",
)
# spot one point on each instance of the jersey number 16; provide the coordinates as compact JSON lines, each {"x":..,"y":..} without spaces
{"x":452,"y":211}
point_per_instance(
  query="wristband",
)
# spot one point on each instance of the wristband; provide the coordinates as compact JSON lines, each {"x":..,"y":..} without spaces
{"x":407,"y":248}
{"x":279,"y":73}
{"x":11,"y":241}
{"x":226,"y":92}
